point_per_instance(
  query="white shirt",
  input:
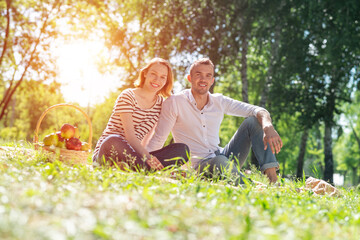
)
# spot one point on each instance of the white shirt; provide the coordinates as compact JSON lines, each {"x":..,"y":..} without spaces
{"x":199,"y":129}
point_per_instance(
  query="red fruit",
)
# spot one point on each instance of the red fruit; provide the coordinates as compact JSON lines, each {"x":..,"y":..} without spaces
{"x":67,"y":131}
{"x":61,"y":139}
{"x":73,"y":144}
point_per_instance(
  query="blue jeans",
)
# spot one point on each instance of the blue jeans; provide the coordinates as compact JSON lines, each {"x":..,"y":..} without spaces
{"x":115,"y":149}
{"x":249,"y":134}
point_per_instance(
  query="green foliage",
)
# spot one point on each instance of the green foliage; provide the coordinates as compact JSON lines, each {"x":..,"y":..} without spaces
{"x":347,"y":148}
{"x":29,"y":28}
{"x":52,"y":200}
{"x":31,"y":100}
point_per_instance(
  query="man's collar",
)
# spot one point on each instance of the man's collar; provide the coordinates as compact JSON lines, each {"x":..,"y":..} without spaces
{"x":191,"y":98}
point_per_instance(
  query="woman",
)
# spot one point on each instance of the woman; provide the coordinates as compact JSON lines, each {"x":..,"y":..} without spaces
{"x":133,"y":120}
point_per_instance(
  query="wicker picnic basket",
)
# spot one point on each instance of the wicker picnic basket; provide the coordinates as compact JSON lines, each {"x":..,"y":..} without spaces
{"x":63,"y":154}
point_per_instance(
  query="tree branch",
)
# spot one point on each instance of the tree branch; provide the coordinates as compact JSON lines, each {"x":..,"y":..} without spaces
{"x":355,"y":134}
{"x":8,"y":5}
{"x":12,"y":91}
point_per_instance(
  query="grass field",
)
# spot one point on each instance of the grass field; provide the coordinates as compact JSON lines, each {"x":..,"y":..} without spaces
{"x":43,"y":200}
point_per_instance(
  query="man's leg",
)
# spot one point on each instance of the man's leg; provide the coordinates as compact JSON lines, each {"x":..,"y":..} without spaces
{"x":219,"y":167}
{"x":250,"y":134}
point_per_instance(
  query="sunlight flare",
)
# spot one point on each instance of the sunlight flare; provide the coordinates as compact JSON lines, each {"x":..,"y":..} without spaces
{"x":77,"y":64}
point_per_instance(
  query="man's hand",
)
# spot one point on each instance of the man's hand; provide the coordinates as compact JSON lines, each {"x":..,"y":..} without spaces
{"x":154,"y":163}
{"x":272,"y":137}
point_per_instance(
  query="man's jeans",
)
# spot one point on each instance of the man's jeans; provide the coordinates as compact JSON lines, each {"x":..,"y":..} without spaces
{"x":249,"y":134}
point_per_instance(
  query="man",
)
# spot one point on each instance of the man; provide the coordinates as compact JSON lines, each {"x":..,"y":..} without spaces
{"x":194,"y":117}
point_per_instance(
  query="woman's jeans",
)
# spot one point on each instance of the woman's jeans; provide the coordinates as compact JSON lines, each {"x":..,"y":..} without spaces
{"x":249,"y":134}
{"x":116,"y":150}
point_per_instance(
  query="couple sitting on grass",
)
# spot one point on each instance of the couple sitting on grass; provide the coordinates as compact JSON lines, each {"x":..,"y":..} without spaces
{"x":141,"y":121}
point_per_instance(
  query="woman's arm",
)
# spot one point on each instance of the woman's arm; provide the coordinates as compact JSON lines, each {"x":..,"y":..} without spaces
{"x":129,"y":130}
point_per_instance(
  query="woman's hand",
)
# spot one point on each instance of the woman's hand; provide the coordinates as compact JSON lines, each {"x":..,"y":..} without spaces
{"x":154,"y":163}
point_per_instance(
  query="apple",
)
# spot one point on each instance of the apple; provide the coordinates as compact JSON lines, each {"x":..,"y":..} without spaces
{"x":76,"y":134}
{"x":85,"y":146}
{"x":51,"y":139}
{"x":61,"y":139}
{"x":73,"y":143}
{"x":67,"y":131}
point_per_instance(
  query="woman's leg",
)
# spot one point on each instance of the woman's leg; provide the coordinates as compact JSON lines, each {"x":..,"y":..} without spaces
{"x":175,"y":154}
{"x":115,"y":149}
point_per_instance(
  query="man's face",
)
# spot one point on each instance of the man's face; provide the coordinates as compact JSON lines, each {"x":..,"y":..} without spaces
{"x":201,"y":78}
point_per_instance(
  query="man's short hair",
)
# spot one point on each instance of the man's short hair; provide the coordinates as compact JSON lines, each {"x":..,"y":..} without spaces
{"x":205,"y":61}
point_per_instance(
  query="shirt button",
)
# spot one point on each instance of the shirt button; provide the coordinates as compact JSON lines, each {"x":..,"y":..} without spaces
{"x":209,"y":150}
{"x":203,"y":125}
{"x":202,"y":113}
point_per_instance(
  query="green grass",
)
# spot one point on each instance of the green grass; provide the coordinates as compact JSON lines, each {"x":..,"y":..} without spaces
{"x":43,"y":200}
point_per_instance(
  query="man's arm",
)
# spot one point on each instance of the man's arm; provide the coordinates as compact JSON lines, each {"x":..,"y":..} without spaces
{"x":164,"y":126}
{"x":270,"y":134}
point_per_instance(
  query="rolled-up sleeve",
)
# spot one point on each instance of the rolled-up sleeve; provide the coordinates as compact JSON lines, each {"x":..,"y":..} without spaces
{"x":240,"y":109}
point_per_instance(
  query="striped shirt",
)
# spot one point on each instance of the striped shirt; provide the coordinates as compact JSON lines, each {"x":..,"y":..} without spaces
{"x":144,"y":119}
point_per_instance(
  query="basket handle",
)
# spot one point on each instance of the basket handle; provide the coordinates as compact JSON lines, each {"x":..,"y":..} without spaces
{"x":36,"y":137}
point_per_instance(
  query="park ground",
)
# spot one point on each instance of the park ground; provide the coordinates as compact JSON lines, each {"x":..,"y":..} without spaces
{"x":51,"y":200}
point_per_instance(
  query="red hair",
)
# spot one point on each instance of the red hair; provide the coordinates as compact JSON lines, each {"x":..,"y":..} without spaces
{"x":166,"y":90}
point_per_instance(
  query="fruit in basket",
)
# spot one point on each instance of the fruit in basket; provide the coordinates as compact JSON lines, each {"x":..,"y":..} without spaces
{"x":67,"y":131}
{"x":85,"y":146}
{"x":60,"y":144}
{"x":76,"y":134}
{"x":61,"y":139}
{"x":50,"y":139}
{"x":73,"y":144}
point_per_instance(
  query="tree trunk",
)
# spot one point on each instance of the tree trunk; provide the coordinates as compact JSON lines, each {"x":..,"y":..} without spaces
{"x":329,"y":161}
{"x":8,"y":6}
{"x":301,"y":156}
{"x":354,"y":177}
{"x":244,"y":79}
{"x":355,"y":134}
{"x":273,"y":58}
{"x":12,"y":118}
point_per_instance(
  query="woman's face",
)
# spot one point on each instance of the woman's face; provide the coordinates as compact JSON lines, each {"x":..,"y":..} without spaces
{"x":156,"y":77}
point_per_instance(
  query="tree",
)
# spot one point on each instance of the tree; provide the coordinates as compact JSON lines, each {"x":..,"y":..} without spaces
{"x":30,"y":100}
{"x":348,"y":146}
{"x":322,"y":80}
{"x":25,"y":47}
